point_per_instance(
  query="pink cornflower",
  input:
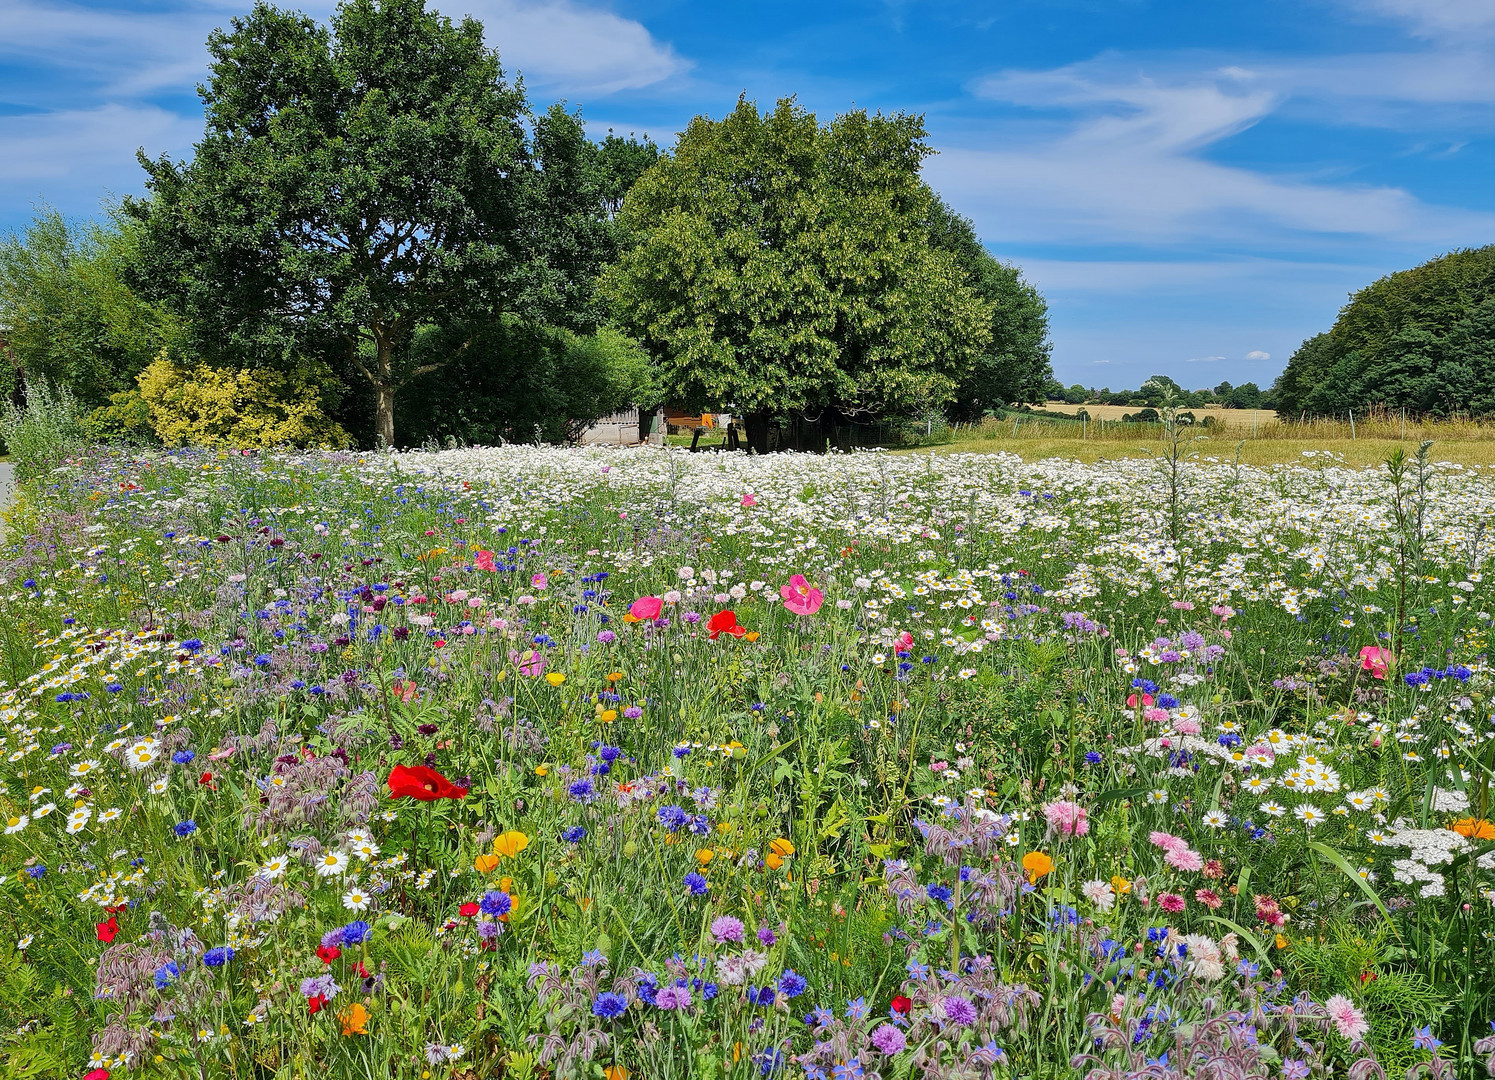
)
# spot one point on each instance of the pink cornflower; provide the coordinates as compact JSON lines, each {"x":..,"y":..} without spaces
{"x":1187,"y":727}
{"x":1156,"y":715}
{"x":1349,"y":1020}
{"x":1066,"y":819}
{"x":1209,"y":898}
{"x":1172,"y":903}
{"x":1167,"y":841}
{"x":1185,"y":859}
{"x":749,"y":499}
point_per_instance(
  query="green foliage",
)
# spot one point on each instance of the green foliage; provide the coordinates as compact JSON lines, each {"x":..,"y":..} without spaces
{"x":200,"y":405}
{"x":70,"y":317}
{"x":1014,"y":366}
{"x":779,"y":267}
{"x":517,"y":379}
{"x":44,"y":431}
{"x":1421,"y":339}
{"x":358,"y":182}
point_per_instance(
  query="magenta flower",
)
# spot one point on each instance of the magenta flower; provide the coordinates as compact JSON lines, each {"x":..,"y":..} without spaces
{"x":800,"y":596}
{"x":1172,"y":903}
{"x":889,"y":1040}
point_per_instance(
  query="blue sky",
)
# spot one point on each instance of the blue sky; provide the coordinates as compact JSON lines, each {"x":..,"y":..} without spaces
{"x":1195,"y":187}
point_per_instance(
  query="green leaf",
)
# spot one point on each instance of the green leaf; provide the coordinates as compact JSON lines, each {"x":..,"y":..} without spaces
{"x":1349,"y":871}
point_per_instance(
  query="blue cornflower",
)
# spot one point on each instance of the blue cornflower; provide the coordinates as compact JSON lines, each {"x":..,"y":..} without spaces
{"x":609,"y":1006}
{"x":1093,"y":758}
{"x":183,"y":757}
{"x":35,"y":872}
{"x":673,"y":818}
{"x":696,"y":884}
{"x":496,"y":903}
{"x":184,"y":828}
{"x":166,"y":974}
{"x":355,"y":932}
{"x":582,"y":791}
{"x":574,"y":835}
{"x":681,"y":751}
{"x":939,"y":893}
{"x":217,"y":957}
{"x":792,"y":984}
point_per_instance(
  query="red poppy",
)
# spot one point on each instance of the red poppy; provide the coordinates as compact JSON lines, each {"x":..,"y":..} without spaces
{"x":314,"y":1004}
{"x":423,"y":783}
{"x":107,"y":931}
{"x":467,"y":910}
{"x":206,"y":780}
{"x":328,"y":953}
{"x":901,"y":1005}
{"x":725,"y":622}
{"x":96,"y":1074}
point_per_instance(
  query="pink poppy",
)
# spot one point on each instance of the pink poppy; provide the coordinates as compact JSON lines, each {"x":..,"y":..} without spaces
{"x":749,"y":500}
{"x":531,"y":663}
{"x":800,"y":596}
{"x":646,"y":607}
{"x":1376,"y":660}
{"x":484,"y":561}
{"x":905,"y":643}
{"x":1131,"y":701}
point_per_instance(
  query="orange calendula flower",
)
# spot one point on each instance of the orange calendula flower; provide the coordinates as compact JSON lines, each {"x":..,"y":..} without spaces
{"x":355,"y":1019}
{"x":1474,"y":828}
{"x":1037,"y":864}
{"x":510,"y":844}
{"x":485,"y":864}
{"x":616,"y":1072}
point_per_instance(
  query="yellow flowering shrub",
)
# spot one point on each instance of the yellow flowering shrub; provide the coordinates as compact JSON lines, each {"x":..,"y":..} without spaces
{"x":202,"y":405}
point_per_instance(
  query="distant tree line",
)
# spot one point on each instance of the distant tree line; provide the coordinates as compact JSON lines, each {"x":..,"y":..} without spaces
{"x":379,"y":235}
{"x":1151,"y":394}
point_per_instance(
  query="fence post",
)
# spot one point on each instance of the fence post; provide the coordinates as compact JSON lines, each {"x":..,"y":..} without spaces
{"x":1404,"y":423}
{"x":1254,"y":414}
{"x":1352,"y":425}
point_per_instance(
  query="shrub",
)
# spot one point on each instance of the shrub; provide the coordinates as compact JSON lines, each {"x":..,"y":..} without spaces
{"x":47,"y":429}
{"x":225,"y":407}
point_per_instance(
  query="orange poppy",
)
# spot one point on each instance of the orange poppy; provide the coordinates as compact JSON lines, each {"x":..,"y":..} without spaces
{"x":355,"y":1019}
{"x":1474,"y":828}
{"x":1037,"y":864}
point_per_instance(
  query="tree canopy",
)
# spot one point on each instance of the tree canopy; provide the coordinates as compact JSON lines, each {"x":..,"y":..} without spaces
{"x":358,"y":182}
{"x":777,"y":266}
{"x":1421,"y":339}
{"x":1014,"y":365}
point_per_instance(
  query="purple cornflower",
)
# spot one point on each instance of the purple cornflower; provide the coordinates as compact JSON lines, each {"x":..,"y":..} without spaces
{"x":726,"y":928}
{"x":672,"y":997}
{"x":888,"y":1040}
{"x":766,"y":936}
{"x":583,"y":791}
{"x":633,"y":712}
{"x":959,"y":1010}
{"x":323,"y":986}
{"x":673,"y":818}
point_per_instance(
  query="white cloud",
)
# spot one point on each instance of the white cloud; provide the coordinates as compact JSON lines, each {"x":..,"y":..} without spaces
{"x":1129,"y":163}
{"x":570,"y":47}
{"x":1257,"y":354}
{"x":75,"y":147}
{"x":1204,"y":359}
{"x":1434,"y":18}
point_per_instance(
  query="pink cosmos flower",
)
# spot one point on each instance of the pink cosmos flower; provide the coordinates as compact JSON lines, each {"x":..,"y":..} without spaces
{"x":646,"y":607}
{"x":1349,"y":1020}
{"x":1376,"y":660}
{"x":1066,"y":818}
{"x":800,"y":596}
{"x":539,"y":581}
{"x":1172,"y":903}
{"x":484,"y":561}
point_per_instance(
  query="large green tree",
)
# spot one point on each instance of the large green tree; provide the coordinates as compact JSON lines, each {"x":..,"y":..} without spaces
{"x":775,"y":266}
{"x":1014,"y":365}
{"x":1423,"y":339}
{"x":67,"y":313}
{"x":359,"y":182}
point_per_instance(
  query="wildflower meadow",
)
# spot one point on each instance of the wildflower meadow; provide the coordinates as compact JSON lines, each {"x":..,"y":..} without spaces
{"x":534,"y":762}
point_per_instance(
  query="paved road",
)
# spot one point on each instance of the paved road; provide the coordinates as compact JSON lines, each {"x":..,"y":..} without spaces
{"x":7,"y":489}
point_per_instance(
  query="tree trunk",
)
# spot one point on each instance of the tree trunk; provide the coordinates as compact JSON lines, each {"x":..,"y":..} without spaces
{"x":828,"y":429}
{"x":756,"y":424}
{"x":384,"y":415}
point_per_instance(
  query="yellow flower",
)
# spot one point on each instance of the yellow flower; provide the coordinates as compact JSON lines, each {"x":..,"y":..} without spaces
{"x":781,"y":847}
{"x":704,"y":855}
{"x":1280,"y":941}
{"x":614,"y":676}
{"x":1037,"y":864}
{"x":774,"y":860}
{"x":485,"y":864}
{"x":506,"y":884}
{"x":510,"y":844}
{"x":615,"y":1072}
{"x":555,"y":678}
{"x":1121,"y":885}
{"x":608,"y":716}
{"x":355,"y":1019}
{"x":542,"y":770}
